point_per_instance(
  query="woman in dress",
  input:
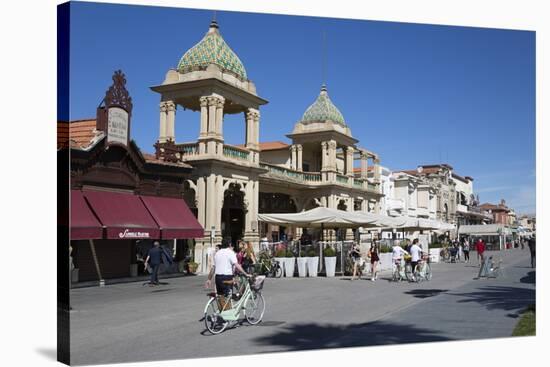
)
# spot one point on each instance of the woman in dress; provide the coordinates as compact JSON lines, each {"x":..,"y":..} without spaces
{"x":374,"y":253}
{"x":356,"y":258}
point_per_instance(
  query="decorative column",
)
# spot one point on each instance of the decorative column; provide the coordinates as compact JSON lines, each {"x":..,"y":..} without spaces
{"x":212,"y":106}
{"x":219,"y":204}
{"x":364,"y":165}
{"x":332,"y":155}
{"x":170,"y":120}
{"x":324,"y":155}
{"x":204,"y":124}
{"x":219,"y":117}
{"x":349,"y":161}
{"x":299,"y":148}
{"x":201,"y":201}
{"x":293,"y":162}
{"x":364,"y":205}
{"x":211,"y":203}
{"x":377,"y":169}
{"x":162,"y":132}
{"x":249,"y":118}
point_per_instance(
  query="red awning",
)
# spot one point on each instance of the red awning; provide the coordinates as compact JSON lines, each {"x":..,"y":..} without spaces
{"x":124,"y":215}
{"x":84,"y":224}
{"x":174,"y":217}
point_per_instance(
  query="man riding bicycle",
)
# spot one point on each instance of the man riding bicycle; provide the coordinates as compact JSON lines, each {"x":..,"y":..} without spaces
{"x":416,"y":255}
{"x":224,"y":261}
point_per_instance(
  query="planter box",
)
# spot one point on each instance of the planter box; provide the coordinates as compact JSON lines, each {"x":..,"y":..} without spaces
{"x":289,"y":266}
{"x":302,"y":267}
{"x":385,"y":262}
{"x":434,"y":255}
{"x":330,"y":266}
{"x":312,"y":265}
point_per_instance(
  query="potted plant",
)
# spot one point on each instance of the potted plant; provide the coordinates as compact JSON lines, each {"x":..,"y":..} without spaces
{"x":302,"y":265}
{"x":312,"y":262}
{"x":192,"y":266}
{"x":330,"y":261}
{"x":290,"y":261}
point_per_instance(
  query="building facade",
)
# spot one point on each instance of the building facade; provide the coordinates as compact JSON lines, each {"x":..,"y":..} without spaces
{"x":232,"y":184}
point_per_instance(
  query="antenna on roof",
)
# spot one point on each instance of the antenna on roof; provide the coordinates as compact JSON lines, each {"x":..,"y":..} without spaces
{"x":324,"y":59}
{"x":214,"y":23}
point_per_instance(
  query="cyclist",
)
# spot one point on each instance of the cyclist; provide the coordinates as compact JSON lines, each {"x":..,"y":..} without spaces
{"x":224,"y":261}
{"x":397,"y":255}
{"x":416,"y":253}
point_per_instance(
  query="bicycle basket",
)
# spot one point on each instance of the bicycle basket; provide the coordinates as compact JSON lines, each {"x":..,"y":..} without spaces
{"x":258,"y":282}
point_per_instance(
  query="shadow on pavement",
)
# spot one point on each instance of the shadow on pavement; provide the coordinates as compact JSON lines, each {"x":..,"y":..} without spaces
{"x":499,"y":297}
{"x":529,"y":278}
{"x":317,"y":336}
{"x":426,"y":293}
{"x":50,"y":353}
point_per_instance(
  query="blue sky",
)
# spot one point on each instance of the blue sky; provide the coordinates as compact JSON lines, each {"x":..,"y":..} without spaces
{"x":415,"y":94}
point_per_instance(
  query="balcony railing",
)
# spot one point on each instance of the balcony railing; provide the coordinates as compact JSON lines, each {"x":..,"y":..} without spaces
{"x":289,"y":173}
{"x":342,"y":179}
{"x":235,"y":153}
{"x":187,"y":149}
{"x":358,"y":183}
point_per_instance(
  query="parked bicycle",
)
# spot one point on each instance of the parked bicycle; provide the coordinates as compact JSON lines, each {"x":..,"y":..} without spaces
{"x":221,"y":311}
{"x":269,"y":267}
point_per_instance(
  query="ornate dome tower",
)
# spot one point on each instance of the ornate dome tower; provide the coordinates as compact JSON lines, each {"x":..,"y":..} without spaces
{"x":322,"y":115}
{"x":212,"y":50}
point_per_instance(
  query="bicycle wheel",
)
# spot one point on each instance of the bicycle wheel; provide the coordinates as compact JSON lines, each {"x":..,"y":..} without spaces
{"x":254,"y":308}
{"x":428,"y":272}
{"x":212,"y":319}
{"x":409,"y":272}
{"x":278,"y":272}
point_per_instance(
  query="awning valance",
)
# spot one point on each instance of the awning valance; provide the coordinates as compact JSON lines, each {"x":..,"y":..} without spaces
{"x":174,"y":218}
{"x":84,"y":224}
{"x":123,"y":214}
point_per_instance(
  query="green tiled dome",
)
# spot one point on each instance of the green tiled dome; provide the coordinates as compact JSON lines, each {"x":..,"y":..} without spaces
{"x":212,"y":49}
{"x":323,"y":110}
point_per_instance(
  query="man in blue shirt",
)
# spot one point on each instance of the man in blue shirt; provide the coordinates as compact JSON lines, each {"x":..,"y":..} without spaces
{"x":154,"y":254}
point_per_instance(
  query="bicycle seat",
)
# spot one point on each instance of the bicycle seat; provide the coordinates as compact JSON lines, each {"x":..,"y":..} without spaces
{"x":229,"y":282}
{"x":211,"y":294}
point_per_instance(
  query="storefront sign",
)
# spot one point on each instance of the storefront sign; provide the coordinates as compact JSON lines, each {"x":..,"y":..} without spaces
{"x":117,"y":126}
{"x":133,"y":234}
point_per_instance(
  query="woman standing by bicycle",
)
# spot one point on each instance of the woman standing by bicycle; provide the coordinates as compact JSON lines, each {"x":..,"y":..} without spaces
{"x":249,"y":258}
{"x":374,"y":259}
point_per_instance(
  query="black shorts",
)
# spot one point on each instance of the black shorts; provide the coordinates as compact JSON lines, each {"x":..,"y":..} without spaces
{"x":221,"y":287}
{"x":413,"y":265}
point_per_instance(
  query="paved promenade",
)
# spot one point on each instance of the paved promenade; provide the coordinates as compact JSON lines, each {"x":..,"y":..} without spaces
{"x":129,"y":322}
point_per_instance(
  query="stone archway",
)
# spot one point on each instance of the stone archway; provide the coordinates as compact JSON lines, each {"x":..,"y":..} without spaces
{"x":233,"y":212}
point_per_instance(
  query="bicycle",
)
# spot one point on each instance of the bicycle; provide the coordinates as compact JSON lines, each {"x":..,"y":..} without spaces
{"x":270,"y":268}
{"x":423,"y":270}
{"x":398,"y":273}
{"x":220,"y":311}
{"x":350,"y":264}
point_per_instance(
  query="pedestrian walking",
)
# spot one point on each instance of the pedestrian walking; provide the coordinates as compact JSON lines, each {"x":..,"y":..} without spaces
{"x":154,"y":259}
{"x":415,"y":252}
{"x":460,"y":250}
{"x":374,"y":252}
{"x":480,"y":249}
{"x":532,"y":248}
{"x":466,"y":249}
{"x":355,"y":255}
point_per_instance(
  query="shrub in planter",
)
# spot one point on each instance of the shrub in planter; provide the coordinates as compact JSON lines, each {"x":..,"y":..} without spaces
{"x":312,"y":262}
{"x":280,"y":253}
{"x":330,"y":261}
{"x":289,"y":261}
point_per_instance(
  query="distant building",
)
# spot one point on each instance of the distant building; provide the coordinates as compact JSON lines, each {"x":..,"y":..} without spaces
{"x":501,"y":213}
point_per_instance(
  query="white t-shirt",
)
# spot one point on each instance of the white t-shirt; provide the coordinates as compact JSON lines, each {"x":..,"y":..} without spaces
{"x":397,"y":252}
{"x":415,"y":252}
{"x":224,"y":260}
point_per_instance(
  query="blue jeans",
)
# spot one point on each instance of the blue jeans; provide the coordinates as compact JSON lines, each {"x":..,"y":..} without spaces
{"x":155,"y":273}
